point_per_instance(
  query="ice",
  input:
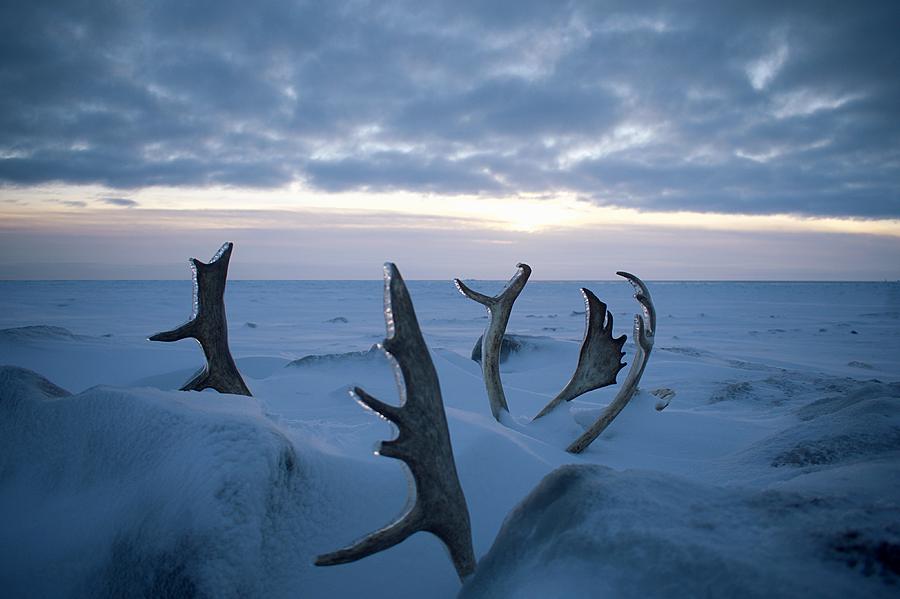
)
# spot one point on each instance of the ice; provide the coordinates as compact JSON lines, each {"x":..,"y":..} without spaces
{"x":773,"y":470}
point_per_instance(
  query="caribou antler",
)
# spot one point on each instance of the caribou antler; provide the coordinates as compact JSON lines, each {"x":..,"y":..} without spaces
{"x":423,"y":443}
{"x":600,"y":358}
{"x":499,"y":308}
{"x":644,"y":331}
{"x":209,"y":327}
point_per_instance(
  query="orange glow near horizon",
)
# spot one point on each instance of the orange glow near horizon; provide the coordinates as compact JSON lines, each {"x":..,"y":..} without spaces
{"x":523,"y":213}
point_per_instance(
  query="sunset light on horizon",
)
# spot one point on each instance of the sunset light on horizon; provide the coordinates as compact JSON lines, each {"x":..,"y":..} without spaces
{"x":757,"y":141}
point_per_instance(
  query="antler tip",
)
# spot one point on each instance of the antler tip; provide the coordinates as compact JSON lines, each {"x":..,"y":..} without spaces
{"x":224,"y":253}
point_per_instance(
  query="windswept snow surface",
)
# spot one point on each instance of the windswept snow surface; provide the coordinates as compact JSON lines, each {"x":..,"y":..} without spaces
{"x":774,"y":472}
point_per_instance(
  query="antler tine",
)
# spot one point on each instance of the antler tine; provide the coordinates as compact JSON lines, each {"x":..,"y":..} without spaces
{"x":599,"y":360}
{"x":210,"y":328}
{"x":481,"y":298}
{"x":499,"y":309}
{"x":644,"y":332}
{"x":642,"y":295}
{"x":423,"y":443}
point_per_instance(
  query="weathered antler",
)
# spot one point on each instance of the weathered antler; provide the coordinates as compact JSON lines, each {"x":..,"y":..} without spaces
{"x":644,"y":331}
{"x":600,"y":358}
{"x":499,"y":308}
{"x":423,"y":443}
{"x":209,"y":327}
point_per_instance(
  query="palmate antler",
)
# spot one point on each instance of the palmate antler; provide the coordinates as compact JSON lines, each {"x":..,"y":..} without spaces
{"x":599,"y":360}
{"x":423,"y":443}
{"x":210,"y":328}
{"x":644,"y":331}
{"x":499,"y":308}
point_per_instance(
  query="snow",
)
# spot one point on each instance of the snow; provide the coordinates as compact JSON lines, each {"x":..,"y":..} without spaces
{"x":588,"y":530}
{"x":772,"y":472}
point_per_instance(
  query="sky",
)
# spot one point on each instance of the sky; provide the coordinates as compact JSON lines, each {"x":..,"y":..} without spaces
{"x":688,"y":140}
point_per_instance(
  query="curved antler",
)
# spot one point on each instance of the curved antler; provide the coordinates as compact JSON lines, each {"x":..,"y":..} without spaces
{"x":644,"y":331}
{"x":210,"y":328}
{"x":599,"y":360}
{"x":423,"y":443}
{"x":499,"y":308}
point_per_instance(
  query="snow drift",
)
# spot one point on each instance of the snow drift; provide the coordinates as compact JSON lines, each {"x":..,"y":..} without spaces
{"x":142,"y":493}
{"x":772,"y":472}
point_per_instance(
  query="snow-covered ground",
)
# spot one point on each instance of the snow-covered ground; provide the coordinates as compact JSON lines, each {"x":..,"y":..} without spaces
{"x":774,"y":472}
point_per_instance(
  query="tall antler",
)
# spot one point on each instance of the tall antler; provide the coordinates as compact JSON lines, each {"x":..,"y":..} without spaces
{"x":209,"y":327}
{"x":499,"y":308}
{"x":644,"y":331}
{"x":600,"y":358}
{"x":423,"y":443}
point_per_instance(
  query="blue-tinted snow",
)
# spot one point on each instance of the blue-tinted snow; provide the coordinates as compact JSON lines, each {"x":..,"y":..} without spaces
{"x":786,"y":406}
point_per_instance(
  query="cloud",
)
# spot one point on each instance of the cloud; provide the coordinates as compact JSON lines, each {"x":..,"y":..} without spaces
{"x":762,"y":71}
{"x":121,"y":202}
{"x":763,"y":108}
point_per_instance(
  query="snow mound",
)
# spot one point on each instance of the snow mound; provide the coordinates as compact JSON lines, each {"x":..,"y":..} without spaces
{"x":373,"y":355}
{"x":139,"y":493}
{"x":645,"y":534}
{"x":861,"y":425}
{"x":852,"y":395}
{"x":519,"y":345}
{"x":39,"y":332}
{"x":20,"y":384}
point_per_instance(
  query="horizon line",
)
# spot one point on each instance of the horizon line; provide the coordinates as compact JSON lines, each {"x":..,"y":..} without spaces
{"x":533,"y":280}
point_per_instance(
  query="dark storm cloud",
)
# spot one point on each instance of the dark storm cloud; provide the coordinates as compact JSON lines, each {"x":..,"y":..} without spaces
{"x":387,"y":171}
{"x":735,"y":107}
{"x":73,"y":203}
{"x":121,"y":202}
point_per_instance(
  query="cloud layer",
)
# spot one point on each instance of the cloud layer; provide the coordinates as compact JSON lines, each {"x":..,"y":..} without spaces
{"x":705,"y":106}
